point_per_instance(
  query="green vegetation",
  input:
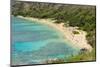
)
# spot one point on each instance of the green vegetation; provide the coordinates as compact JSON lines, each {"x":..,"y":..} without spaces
{"x":83,"y":56}
{"x":83,"y":17}
{"x":75,"y":32}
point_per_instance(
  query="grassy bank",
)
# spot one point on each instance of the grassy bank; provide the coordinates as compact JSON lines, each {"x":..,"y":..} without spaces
{"x":84,"y":56}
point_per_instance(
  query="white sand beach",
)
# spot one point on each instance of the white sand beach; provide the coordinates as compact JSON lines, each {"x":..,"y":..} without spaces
{"x":78,"y":40}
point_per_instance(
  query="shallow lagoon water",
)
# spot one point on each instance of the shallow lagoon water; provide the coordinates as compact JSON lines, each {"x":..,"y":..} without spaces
{"x":34,"y":43}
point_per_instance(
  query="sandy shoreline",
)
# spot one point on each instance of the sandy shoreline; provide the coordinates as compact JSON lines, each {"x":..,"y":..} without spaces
{"x":78,"y":40}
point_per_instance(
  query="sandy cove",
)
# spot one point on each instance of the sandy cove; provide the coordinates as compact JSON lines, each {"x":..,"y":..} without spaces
{"x":78,"y":40}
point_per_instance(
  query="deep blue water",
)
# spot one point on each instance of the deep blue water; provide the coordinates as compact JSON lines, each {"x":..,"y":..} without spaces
{"x":34,"y":43}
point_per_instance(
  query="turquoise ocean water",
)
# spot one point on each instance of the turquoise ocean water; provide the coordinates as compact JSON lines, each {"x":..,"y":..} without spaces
{"x":34,"y":43}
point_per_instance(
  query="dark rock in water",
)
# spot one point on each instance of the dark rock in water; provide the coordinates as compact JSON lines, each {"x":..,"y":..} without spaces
{"x":82,"y":50}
